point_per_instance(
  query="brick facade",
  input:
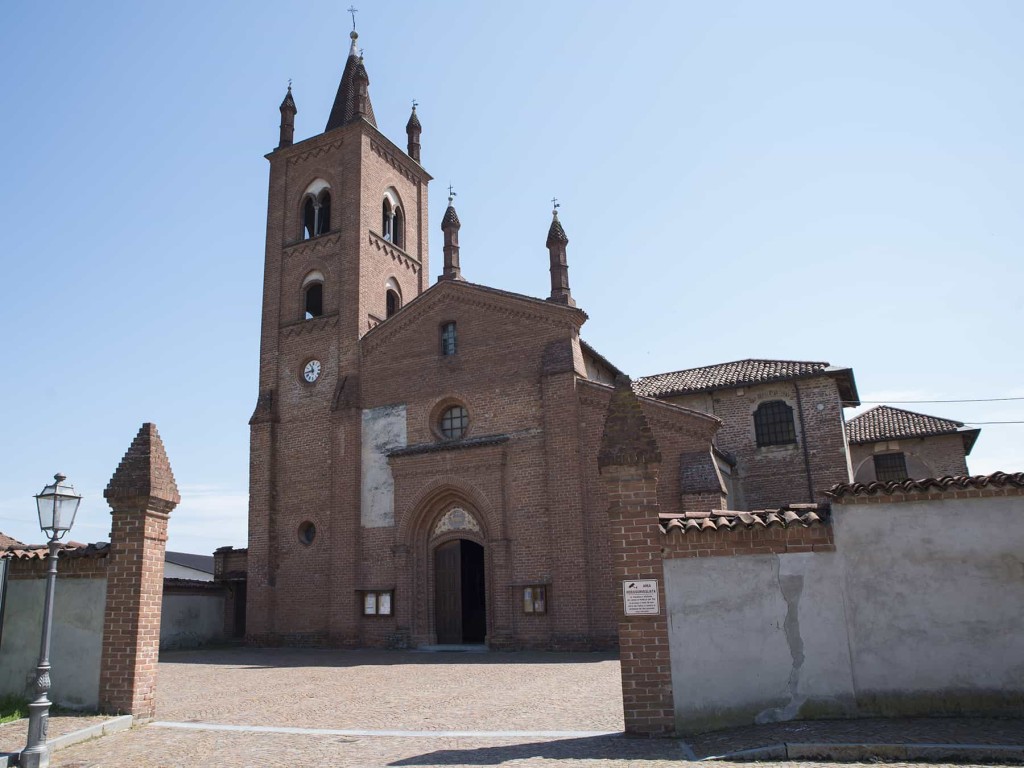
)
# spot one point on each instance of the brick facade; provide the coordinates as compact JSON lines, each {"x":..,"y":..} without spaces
{"x":524,"y":472}
{"x":776,"y":475}
{"x":933,"y":456}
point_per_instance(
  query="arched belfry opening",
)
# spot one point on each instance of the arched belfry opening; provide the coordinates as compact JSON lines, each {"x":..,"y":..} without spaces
{"x":460,"y":579}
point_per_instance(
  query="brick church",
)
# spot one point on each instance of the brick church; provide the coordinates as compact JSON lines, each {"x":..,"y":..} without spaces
{"x":424,"y":451}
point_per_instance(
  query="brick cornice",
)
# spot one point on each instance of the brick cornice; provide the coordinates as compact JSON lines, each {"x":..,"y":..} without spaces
{"x":301,"y":327}
{"x":313,"y":245}
{"x":397,"y":255}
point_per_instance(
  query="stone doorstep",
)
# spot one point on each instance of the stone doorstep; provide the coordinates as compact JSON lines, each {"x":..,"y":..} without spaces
{"x":113,"y":725}
{"x":861,"y":752}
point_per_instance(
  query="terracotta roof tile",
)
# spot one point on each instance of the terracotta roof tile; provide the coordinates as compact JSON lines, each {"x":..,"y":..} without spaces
{"x":883,"y":422}
{"x":6,"y":542}
{"x":804,"y":515}
{"x":70,"y":549}
{"x":947,"y":483}
{"x":738,"y":373}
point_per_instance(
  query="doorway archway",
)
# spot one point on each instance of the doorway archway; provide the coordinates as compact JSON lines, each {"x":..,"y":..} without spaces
{"x":460,"y":592}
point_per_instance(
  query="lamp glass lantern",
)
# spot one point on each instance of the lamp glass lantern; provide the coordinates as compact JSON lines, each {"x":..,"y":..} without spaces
{"x":57,"y":504}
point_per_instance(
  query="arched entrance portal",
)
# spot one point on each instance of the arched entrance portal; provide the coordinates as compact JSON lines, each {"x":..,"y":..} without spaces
{"x":460,"y":592}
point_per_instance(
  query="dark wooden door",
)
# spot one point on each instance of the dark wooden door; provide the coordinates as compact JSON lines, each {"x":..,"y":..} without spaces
{"x":448,"y":592}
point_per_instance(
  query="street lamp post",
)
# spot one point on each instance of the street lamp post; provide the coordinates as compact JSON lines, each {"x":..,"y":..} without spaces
{"x":57,"y":504}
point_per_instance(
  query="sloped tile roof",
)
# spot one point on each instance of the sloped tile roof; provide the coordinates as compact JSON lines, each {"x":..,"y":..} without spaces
{"x":883,"y":422}
{"x":804,"y":515}
{"x":6,"y":542}
{"x":67,"y":549}
{"x":740,"y":373}
{"x":928,"y":484}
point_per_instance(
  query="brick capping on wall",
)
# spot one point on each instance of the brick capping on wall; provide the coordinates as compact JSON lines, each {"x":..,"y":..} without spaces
{"x":142,"y":493}
{"x":930,"y":488}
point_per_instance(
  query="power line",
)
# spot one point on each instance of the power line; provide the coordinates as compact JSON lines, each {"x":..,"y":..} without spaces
{"x":975,"y":400}
{"x":975,"y":423}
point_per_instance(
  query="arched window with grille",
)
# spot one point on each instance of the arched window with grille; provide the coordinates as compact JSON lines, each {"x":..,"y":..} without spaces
{"x":773,"y":424}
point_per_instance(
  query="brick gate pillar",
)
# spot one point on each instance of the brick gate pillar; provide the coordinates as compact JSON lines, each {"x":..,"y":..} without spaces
{"x":629,"y":462}
{"x":141,"y":495}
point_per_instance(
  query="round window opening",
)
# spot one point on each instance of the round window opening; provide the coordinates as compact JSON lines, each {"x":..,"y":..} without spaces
{"x":307,"y":532}
{"x":454,"y":423}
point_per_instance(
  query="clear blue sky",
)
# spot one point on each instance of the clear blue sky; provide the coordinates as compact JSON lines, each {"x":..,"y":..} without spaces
{"x":800,"y":180}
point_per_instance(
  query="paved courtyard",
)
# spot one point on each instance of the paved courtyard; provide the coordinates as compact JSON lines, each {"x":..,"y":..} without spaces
{"x":286,"y":707}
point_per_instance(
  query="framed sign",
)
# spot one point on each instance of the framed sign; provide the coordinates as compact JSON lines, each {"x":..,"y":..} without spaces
{"x":640,"y":597}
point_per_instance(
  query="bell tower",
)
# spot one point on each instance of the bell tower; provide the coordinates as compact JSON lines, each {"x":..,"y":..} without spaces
{"x":346,"y":248}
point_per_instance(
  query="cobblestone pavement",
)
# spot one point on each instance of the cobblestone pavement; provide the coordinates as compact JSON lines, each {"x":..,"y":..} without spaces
{"x":432,"y":693}
{"x":392,"y":689}
{"x":14,"y":734}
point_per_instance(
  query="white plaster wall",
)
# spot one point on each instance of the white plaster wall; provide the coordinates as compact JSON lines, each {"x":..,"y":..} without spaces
{"x":188,"y":621}
{"x":919,"y":611}
{"x":76,"y":645}
{"x":384,"y":429}
{"x":756,"y":639}
{"x":935,"y":600}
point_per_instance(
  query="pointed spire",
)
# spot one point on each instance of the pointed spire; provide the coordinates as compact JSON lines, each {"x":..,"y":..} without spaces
{"x":353,"y":99}
{"x":450,"y":225}
{"x":413,"y":130}
{"x":627,"y":439}
{"x":144,"y":475}
{"x":556,"y":243}
{"x":288,"y":112}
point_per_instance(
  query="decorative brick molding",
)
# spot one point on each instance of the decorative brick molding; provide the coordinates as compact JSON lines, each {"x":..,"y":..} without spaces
{"x":141,"y":495}
{"x":629,"y":461}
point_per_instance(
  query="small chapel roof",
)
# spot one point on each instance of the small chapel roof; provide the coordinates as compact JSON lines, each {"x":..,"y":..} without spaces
{"x":883,"y":422}
{"x":742,"y":373}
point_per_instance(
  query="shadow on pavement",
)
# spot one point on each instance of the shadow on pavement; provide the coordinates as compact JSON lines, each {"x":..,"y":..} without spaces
{"x":613,"y":747}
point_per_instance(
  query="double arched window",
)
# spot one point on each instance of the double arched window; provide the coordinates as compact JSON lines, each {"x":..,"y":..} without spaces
{"x":316,"y":215}
{"x":392,"y":224}
{"x":316,"y":209}
{"x":773,"y":424}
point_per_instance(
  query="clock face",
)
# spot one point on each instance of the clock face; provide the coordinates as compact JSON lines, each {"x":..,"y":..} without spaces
{"x":312,"y":371}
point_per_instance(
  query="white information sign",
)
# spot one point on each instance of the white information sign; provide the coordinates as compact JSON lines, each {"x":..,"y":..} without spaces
{"x":640,"y":597}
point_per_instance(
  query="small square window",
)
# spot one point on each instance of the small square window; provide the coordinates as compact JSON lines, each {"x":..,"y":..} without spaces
{"x":378,"y":602}
{"x":535,"y":599}
{"x":890,"y":467}
{"x":448,"y":339}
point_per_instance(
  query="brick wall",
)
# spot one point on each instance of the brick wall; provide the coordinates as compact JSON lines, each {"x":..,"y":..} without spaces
{"x":936,"y":456}
{"x":773,"y":476}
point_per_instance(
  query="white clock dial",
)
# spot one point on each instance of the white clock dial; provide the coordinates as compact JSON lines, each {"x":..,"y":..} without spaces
{"x":312,"y":371}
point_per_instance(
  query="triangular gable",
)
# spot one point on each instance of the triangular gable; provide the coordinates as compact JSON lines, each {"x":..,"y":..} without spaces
{"x":463,"y":294}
